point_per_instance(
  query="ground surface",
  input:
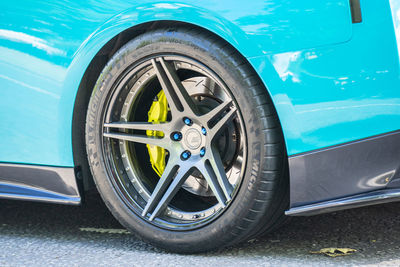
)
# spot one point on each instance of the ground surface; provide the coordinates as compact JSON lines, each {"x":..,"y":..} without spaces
{"x":34,"y":234}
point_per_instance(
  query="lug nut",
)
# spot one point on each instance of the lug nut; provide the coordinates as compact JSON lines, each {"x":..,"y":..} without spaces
{"x":203,"y":131}
{"x":202,"y":151}
{"x":188,"y":121}
{"x":176,"y":136}
{"x":185,"y":155}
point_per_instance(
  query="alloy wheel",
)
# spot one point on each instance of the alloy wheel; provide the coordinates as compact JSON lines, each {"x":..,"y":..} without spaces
{"x":203,"y":139}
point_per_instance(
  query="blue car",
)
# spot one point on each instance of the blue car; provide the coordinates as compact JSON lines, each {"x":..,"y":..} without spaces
{"x":202,"y":124}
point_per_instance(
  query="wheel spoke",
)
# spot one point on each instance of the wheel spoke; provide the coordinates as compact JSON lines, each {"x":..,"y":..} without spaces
{"x":219,"y":169}
{"x":162,"y":185}
{"x":161,"y":142}
{"x":147,"y":126}
{"x":178,"y":98}
{"x":209,"y":175}
{"x":223,"y":122}
{"x":216,"y":112}
{"x":176,"y":184}
{"x":173,"y":103}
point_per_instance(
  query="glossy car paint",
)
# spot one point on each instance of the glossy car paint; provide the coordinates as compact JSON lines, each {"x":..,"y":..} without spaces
{"x":335,"y":94}
{"x":331,"y":81}
{"x":45,"y":48}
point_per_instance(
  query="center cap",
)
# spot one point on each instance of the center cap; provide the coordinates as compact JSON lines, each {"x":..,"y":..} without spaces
{"x":193,"y":138}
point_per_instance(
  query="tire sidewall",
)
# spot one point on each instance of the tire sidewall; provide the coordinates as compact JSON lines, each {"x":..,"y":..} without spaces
{"x":223,"y":230}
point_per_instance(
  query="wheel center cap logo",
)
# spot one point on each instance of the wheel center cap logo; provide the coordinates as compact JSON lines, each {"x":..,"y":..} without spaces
{"x":193,"y":138}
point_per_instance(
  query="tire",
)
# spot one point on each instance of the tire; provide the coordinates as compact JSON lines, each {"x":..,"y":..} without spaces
{"x":190,"y":208}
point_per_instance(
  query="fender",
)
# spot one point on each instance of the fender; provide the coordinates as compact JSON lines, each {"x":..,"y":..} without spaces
{"x":251,"y":40}
{"x":57,"y":58}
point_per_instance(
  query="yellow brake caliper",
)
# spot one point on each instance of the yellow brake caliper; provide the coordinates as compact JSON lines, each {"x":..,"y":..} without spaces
{"x":157,"y":114}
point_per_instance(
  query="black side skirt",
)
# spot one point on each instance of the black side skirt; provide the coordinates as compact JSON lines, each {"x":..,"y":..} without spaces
{"x":39,"y":183}
{"x":324,"y":177}
{"x":366,"y":199}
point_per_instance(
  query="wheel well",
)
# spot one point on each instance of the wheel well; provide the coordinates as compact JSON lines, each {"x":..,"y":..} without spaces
{"x":88,"y":81}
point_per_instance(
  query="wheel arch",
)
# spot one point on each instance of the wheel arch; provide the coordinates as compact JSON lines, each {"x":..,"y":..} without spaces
{"x":93,"y":71}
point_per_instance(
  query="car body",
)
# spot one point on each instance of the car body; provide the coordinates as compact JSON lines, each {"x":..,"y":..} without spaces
{"x":330,"y":67}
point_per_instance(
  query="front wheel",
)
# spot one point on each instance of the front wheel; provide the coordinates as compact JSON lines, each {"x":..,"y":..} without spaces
{"x":184,"y":144}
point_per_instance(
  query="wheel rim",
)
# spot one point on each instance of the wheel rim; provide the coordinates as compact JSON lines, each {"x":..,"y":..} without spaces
{"x":204,"y":138}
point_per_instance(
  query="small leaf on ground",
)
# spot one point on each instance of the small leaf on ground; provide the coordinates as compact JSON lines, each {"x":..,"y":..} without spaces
{"x":335,"y":252}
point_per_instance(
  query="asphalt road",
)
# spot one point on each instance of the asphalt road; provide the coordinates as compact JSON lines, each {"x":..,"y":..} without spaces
{"x":34,"y":234}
